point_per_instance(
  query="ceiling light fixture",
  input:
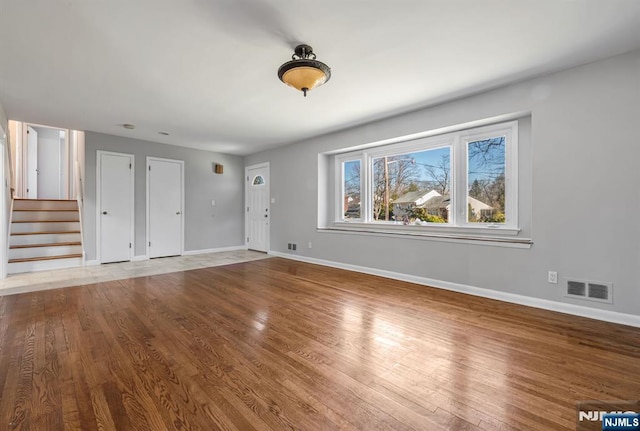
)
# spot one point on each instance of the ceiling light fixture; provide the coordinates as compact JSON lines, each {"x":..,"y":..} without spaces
{"x":304,"y":72}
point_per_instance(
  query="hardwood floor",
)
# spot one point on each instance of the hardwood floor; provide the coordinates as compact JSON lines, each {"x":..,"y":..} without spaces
{"x":277,"y":344}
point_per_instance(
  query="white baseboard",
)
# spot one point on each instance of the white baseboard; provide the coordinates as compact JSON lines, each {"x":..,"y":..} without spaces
{"x":139,"y":258}
{"x":545,"y":304}
{"x":213,"y":250}
{"x":93,"y":262}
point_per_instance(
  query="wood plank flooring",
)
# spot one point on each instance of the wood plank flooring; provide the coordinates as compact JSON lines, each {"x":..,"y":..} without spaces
{"x":282,"y":345}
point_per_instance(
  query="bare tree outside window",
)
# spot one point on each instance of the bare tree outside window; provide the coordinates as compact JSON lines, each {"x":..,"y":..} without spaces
{"x":438,"y":174}
{"x":351,"y":197}
{"x":392,"y":177}
{"x":420,"y":171}
{"x":486,"y":180}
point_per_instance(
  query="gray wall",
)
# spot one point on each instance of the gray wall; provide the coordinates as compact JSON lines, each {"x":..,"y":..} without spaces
{"x":584,"y":179}
{"x":206,"y":226}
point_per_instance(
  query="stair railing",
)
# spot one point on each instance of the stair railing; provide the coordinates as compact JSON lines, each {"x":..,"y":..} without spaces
{"x":80,"y":200}
{"x":8,"y":205}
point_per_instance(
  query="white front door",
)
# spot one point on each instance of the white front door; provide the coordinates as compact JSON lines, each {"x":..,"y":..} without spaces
{"x":115,"y":206}
{"x":257,"y":207}
{"x":165,"y":188}
{"x":32,"y":163}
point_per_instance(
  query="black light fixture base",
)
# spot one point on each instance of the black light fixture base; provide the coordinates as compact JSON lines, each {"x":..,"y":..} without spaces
{"x":303,"y":51}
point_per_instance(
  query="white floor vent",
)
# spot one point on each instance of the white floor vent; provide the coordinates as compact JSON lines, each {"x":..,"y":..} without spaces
{"x":589,"y":290}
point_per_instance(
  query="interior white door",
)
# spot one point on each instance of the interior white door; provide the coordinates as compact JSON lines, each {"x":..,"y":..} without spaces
{"x":115,"y":206}
{"x":257,"y":203}
{"x":165,"y":187}
{"x":32,"y":163}
{"x":49,"y":158}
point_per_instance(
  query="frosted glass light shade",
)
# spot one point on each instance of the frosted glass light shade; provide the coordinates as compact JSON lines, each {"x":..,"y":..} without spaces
{"x":304,"y":72}
{"x":304,"y":77}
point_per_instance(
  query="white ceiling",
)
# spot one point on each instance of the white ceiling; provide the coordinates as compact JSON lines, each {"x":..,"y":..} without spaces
{"x":205,"y":70}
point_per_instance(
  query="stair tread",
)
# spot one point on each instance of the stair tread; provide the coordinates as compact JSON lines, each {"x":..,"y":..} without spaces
{"x":44,"y":200}
{"x":47,"y":232}
{"x":35,"y":259}
{"x":51,"y":244}
{"x":15,"y":210}
{"x":44,"y":221}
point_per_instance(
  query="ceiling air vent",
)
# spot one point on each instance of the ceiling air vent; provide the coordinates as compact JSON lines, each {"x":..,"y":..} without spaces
{"x":589,"y":290}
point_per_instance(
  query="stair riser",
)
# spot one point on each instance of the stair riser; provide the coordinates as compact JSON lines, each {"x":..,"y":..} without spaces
{"x":15,"y":268}
{"x":44,"y":215}
{"x":48,"y":205}
{"x":24,"y":253}
{"x":43,"y":238}
{"x":40,"y":227}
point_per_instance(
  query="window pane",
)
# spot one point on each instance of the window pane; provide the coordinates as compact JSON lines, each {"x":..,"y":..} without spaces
{"x":351,"y":196}
{"x":486,"y":184}
{"x":412,"y":188}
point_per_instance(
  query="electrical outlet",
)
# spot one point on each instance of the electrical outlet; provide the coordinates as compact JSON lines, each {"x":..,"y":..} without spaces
{"x":289,"y":246}
{"x":309,"y":244}
{"x":552,"y":277}
{"x":294,"y":247}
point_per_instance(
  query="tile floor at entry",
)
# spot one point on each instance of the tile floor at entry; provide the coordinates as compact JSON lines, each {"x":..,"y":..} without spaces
{"x":43,"y":280}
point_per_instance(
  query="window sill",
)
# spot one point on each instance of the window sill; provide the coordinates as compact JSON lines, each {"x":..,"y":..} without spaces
{"x":494,"y":236}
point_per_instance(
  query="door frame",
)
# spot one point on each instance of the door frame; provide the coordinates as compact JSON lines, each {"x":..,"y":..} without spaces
{"x":67,"y":168}
{"x":148,"y":203}
{"x":99,"y":154}
{"x":246,"y":202}
{"x":28,"y":162}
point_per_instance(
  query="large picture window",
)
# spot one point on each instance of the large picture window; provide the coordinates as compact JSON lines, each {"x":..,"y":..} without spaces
{"x":466,"y":179}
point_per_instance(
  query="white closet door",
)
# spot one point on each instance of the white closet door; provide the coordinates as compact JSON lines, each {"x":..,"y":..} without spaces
{"x":165,"y":188}
{"x":115,"y":206}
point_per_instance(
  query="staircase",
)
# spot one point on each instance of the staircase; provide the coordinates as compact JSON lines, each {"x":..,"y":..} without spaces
{"x":45,"y":234}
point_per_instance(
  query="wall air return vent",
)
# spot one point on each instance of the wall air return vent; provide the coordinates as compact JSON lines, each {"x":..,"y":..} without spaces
{"x":589,"y":290}
{"x":576,"y":288}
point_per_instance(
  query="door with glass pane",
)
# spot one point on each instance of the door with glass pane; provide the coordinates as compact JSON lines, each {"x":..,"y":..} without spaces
{"x":257,"y":207}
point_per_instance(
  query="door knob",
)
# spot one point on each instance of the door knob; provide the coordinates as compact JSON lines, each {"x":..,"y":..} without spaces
{"x":104,"y":213}
{"x":265,"y":216}
{"x":177,"y":212}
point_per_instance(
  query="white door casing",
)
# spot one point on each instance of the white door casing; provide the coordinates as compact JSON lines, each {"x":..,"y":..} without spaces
{"x":115,"y":206}
{"x":32,"y":163}
{"x":257,"y":203}
{"x":165,"y":207}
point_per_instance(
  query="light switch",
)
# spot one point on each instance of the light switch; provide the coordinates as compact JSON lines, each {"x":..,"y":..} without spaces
{"x":213,"y":203}
{"x":273,"y":200}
